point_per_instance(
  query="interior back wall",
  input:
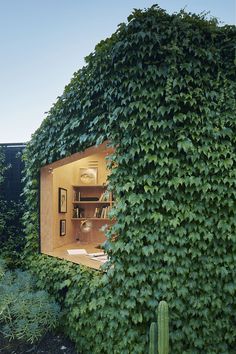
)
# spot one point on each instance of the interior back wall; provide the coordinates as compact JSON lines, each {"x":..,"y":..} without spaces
{"x":65,"y":177}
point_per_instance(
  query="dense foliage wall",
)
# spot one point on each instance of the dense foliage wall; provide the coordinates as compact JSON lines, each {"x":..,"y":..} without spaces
{"x":12,"y":186}
{"x":12,"y":239}
{"x":2,"y":165}
{"x":162,"y":91}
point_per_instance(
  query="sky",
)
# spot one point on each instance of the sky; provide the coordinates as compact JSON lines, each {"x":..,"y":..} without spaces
{"x":43,"y":42}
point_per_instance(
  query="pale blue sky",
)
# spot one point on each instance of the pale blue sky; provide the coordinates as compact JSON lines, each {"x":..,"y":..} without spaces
{"x":43,"y":42}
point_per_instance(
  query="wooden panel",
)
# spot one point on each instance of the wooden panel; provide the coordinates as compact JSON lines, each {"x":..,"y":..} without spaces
{"x":94,"y":235}
{"x":62,"y":178}
{"x":62,"y":253}
{"x":80,"y":155}
{"x":46,"y":210}
{"x":65,"y":177}
{"x":85,"y":163}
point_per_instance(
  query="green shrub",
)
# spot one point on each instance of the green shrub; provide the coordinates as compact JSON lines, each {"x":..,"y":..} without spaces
{"x":2,"y":268}
{"x":162,"y":91}
{"x":25,"y":313}
{"x":12,"y":238}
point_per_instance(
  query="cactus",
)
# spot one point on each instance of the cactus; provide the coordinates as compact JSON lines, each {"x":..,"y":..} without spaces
{"x":163,"y":328}
{"x":159,"y":332}
{"x":153,"y":338}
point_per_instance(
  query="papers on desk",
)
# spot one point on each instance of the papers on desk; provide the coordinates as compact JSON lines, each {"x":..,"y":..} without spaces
{"x":98,"y":256}
{"x":77,"y":251}
{"x":102,"y":259}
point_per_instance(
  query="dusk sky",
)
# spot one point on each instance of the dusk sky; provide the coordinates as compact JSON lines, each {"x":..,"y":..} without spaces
{"x":43,"y":42}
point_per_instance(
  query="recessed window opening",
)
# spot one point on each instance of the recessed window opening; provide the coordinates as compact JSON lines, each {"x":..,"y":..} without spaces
{"x":74,"y":206}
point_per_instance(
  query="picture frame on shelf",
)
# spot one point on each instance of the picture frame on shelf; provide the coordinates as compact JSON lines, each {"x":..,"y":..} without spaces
{"x":88,"y":176}
{"x":63,"y":227}
{"x":62,"y":207}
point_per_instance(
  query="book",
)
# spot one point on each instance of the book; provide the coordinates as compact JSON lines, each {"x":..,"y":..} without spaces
{"x":78,"y":212}
{"x":76,"y":196}
{"x":89,"y":199}
{"x":104,"y":197}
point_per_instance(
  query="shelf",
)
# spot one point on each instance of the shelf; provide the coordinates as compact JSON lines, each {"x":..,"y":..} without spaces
{"x":91,"y":219}
{"x":92,"y":202}
{"x":90,"y":186}
{"x":99,"y":202}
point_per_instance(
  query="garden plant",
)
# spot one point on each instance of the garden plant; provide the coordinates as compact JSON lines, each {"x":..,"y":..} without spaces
{"x":159,"y":331}
{"x":25,"y":312}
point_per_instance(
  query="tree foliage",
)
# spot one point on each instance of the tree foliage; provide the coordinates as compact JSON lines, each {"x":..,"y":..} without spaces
{"x":162,"y":91}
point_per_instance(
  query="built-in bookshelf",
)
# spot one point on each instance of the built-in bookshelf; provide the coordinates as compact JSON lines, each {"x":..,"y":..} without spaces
{"x":91,"y":202}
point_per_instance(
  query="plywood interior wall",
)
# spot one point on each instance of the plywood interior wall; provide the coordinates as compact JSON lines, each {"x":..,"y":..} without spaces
{"x":46,"y":210}
{"x":66,"y":177}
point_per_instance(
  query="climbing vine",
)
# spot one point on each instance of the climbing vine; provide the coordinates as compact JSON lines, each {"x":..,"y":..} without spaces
{"x":162,"y":91}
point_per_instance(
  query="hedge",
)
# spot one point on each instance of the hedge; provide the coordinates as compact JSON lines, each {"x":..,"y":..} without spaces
{"x":161,"y":89}
{"x":11,"y":229}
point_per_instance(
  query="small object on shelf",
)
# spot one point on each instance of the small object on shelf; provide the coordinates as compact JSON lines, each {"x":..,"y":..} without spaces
{"x":105,"y":197}
{"x":76,"y":195}
{"x":86,"y":225}
{"x":88,"y":176}
{"x":78,"y":212}
{"x":89,"y":199}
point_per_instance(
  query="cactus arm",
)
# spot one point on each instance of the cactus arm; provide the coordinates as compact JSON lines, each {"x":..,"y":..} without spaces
{"x":153,"y":338}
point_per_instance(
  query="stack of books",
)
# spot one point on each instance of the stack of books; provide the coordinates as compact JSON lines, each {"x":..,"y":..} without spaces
{"x":102,"y":212}
{"x":105,"y":197}
{"x":78,"y":212}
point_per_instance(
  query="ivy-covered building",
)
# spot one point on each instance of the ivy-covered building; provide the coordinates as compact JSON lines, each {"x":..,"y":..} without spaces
{"x":161,"y":92}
